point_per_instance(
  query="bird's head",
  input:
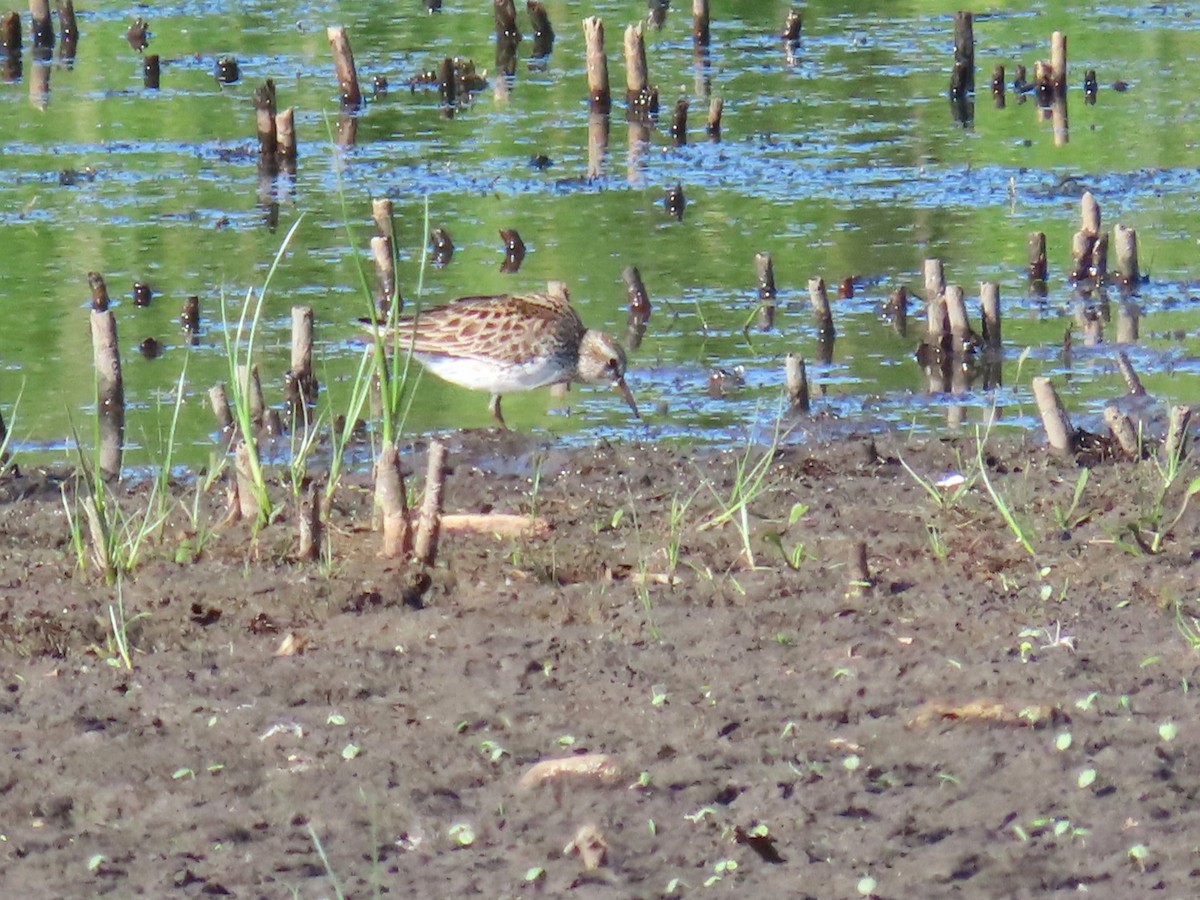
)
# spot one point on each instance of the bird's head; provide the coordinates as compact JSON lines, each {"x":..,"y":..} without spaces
{"x":601,"y":360}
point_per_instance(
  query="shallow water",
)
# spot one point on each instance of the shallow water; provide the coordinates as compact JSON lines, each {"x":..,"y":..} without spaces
{"x":841,"y":161}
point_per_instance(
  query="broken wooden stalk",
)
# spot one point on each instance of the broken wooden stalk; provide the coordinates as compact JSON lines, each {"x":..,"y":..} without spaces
{"x":343,"y":64}
{"x":599,"y":95}
{"x":392,"y":503}
{"x":1059,"y":432}
{"x":110,"y":387}
{"x":429,"y":525}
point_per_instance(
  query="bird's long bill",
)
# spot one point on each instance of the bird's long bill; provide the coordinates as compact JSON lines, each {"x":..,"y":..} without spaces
{"x":623,"y":389}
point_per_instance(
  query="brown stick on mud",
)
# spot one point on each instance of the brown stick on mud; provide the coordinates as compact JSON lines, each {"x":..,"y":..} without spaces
{"x":41,"y":29}
{"x":701,"y":32}
{"x":962,"y":79}
{"x":110,"y":387}
{"x":264,"y":119}
{"x":343,"y":64}
{"x":860,"y":572}
{"x":309,"y":524}
{"x":599,"y":96}
{"x":797,"y":382}
{"x":1175,"y":441}
{"x":989,"y":314}
{"x":392,"y":503}
{"x":1133,"y":384}
{"x":1122,"y":431}
{"x":1127,"y":255}
{"x":713,"y":127}
{"x":246,"y":498}
{"x":1037,"y":257}
{"x":430,"y":523}
{"x":1054,"y":417}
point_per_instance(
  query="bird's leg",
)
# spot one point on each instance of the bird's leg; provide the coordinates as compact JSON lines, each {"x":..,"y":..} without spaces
{"x":494,"y":409}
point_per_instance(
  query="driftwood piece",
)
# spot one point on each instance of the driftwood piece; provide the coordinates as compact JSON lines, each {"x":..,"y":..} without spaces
{"x":797,"y":382}
{"x":818,"y":298}
{"x":1123,"y":432}
{"x":392,"y":503}
{"x":1125,"y":240}
{"x":343,"y":64}
{"x":285,"y":136}
{"x":247,"y":499}
{"x":1176,"y":439}
{"x":430,"y":523}
{"x":1059,"y":432}
{"x":989,"y":313}
{"x":599,"y":95}
{"x":110,"y":391}
{"x":1133,"y":384}
{"x":962,"y":78}
{"x":935,"y":279}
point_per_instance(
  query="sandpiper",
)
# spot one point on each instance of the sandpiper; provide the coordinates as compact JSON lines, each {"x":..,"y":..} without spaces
{"x":511,"y":342}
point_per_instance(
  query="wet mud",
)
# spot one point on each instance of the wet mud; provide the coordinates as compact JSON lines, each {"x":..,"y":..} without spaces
{"x":973,"y":720}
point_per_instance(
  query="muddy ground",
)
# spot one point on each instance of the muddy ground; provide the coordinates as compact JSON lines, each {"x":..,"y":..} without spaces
{"x":977,"y":722}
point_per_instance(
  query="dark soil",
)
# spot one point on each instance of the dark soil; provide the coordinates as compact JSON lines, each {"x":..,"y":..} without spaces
{"x":977,"y":722}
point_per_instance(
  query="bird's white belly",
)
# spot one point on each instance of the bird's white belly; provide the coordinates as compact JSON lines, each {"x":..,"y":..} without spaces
{"x":488,"y":376}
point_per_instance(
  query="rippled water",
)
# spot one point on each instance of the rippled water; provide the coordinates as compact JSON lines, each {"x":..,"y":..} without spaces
{"x":842,"y":160}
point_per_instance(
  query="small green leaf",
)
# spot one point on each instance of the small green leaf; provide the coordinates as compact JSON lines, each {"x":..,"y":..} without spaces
{"x":335,"y":719}
{"x":867,"y":885}
{"x":350,"y":751}
{"x":1063,"y":741}
{"x":1168,"y":731}
{"x":1086,"y":778}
